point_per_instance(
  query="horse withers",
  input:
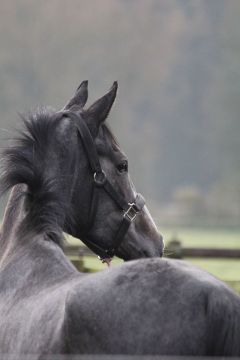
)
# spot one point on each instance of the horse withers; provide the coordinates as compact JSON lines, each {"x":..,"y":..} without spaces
{"x":69,"y":174}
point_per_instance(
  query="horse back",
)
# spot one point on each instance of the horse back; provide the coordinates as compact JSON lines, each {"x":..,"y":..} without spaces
{"x":152,"y":307}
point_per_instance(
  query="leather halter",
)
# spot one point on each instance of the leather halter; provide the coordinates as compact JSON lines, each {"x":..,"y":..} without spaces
{"x":100,"y":181}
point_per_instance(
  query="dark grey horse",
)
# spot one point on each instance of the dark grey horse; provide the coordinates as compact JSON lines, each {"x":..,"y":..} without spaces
{"x":147,"y":306}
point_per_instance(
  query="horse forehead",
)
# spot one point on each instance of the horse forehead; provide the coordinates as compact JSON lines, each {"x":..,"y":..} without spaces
{"x":106,"y":143}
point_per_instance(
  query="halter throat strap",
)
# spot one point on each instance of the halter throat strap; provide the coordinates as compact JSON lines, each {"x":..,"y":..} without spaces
{"x":100,"y":181}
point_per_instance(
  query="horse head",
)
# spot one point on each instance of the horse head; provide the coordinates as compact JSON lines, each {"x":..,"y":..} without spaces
{"x":78,"y":180}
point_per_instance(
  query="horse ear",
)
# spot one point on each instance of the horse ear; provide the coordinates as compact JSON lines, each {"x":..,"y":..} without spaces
{"x":80,"y":97}
{"x":101,"y":108}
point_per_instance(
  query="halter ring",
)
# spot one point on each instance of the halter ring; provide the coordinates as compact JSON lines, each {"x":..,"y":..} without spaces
{"x":100,"y":178}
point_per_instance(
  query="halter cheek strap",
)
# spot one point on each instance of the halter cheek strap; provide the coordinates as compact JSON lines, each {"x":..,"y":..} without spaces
{"x":100,"y":181}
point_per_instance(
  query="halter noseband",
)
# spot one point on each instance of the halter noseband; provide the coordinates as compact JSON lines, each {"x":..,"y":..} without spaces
{"x":100,"y":181}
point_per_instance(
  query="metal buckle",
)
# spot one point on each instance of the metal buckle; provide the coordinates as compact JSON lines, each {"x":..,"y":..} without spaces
{"x":106,"y":260}
{"x":100,"y":178}
{"x":131,"y":212}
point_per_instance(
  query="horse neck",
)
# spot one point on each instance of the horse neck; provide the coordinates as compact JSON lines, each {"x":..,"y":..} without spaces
{"x":12,"y":249}
{"x":13,"y":216}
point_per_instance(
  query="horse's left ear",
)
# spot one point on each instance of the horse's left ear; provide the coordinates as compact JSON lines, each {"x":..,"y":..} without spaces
{"x":101,"y":108}
{"x":80,"y":97}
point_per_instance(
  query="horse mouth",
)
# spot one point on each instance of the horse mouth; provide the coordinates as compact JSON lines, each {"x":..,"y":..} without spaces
{"x":133,"y":252}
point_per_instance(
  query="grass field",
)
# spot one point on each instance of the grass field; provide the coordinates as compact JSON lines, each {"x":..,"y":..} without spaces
{"x":204,"y":237}
{"x":227,"y":270}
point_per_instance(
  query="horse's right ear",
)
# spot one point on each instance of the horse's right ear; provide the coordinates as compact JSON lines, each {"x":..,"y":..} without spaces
{"x":80,"y":97}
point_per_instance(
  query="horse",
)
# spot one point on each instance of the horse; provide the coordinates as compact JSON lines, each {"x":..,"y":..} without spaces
{"x":68,"y":174}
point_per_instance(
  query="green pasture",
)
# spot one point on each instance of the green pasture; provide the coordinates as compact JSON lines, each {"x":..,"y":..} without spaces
{"x":225,"y":269}
{"x":203,"y":237}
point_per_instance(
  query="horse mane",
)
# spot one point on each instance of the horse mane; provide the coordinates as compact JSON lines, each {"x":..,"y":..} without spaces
{"x":23,"y":162}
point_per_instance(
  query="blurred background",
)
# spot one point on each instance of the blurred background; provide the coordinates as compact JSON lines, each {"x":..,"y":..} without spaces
{"x":177,"y":111}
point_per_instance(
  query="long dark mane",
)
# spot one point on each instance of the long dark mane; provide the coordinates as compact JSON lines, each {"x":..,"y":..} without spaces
{"x":24,"y":162}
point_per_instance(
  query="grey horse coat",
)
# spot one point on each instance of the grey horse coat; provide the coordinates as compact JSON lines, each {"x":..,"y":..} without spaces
{"x":146,"y":306}
{"x":149,"y":306}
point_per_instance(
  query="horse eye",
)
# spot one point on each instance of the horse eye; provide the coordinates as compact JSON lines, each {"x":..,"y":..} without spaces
{"x":123,"y":166}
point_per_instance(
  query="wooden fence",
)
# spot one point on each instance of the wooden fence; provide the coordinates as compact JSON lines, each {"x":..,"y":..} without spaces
{"x":174,"y":249}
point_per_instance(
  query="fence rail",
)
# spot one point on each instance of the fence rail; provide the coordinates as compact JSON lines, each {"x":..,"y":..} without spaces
{"x":174,"y":250}
{"x":77,"y":250}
